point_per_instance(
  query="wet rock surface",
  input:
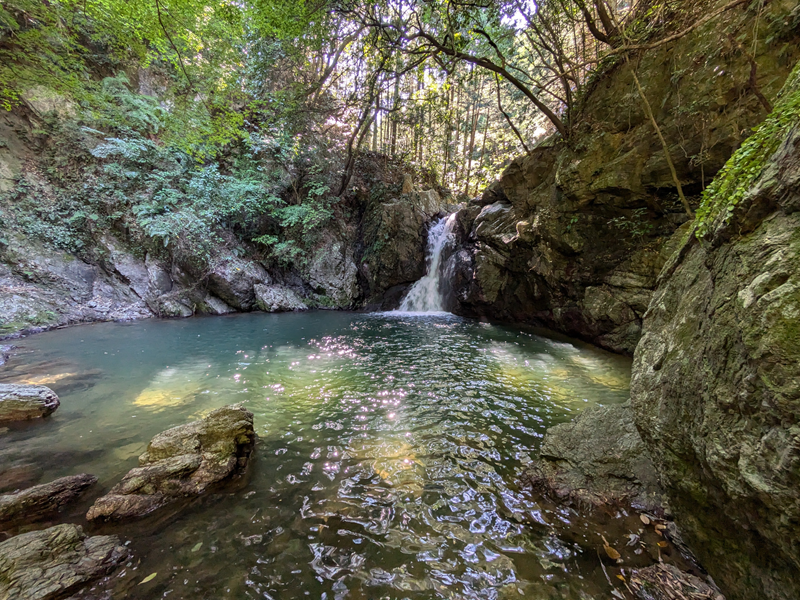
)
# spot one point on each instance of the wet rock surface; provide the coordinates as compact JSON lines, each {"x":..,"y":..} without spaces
{"x":20,"y":402}
{"x":394,"y":238}
{"x":278,"y":298}
{"x":48,"y":564}
{"x":184,"y":461}
{"x":595,"y":461}
{"x":43,"y":501}
{"x":715,"y":385}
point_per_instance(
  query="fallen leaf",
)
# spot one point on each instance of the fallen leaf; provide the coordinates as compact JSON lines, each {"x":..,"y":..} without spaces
{"x":197,"y":546}
{"x":620,"y":577}
{"x":148,"y":578}
{"x":660,"y":527}
{"x":612,"y":554}
{"x":645,"y":519}
{"x":662,"y":544}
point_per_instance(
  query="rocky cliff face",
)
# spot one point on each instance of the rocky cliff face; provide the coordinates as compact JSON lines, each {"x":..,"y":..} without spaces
{"x":375,"y":242}
{"x":573,"y":235}
{"x":715,"y":377}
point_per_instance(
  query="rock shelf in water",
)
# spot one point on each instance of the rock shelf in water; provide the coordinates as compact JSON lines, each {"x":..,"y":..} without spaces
{"x":42,"y":501}
{"x":181,"y":462}
{"x":24,"y":402}
{"x":50,"y":563}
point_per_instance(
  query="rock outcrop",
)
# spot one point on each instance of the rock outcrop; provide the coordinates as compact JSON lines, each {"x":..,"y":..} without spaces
{"x":573,"y":235}
{"x":43,"y":501}
{"x":599,"y":459}
{"x":41,"y":287}
{"x":393,"y":241}
{"x":715,"y":377}
{"x":278,"y":298}
{"x":181,"y":462}
{"x":49,"y":564}
{"x":233,"y":280}
{"x":20,"y":402}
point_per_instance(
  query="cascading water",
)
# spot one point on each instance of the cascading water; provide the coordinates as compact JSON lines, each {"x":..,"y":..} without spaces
{"x":426,"y":294}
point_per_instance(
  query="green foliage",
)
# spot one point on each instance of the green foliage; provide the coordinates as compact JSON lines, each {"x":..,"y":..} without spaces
{"x":116,"y":107}
{"x":747,"y":163}
{"x":636,"y":225}
{"x":63,"y":221}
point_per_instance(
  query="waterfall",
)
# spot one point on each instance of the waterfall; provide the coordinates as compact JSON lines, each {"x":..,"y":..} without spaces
{"x":426,"y":294}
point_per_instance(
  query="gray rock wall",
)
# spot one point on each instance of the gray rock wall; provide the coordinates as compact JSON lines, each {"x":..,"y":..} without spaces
{"x":716,"y":381}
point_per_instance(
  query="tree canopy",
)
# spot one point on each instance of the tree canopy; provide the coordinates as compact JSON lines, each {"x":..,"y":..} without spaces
{"x":454,"y":87}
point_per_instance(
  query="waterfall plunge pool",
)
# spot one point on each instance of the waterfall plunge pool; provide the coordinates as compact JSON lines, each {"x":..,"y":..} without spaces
{"x":386,"y":465}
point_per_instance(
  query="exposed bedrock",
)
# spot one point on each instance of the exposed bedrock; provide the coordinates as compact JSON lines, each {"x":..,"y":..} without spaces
{"x":182,"y":462}
{"x":573,"y":235}
{"x":379,"y":245}
{"x":394,"y":243}
{"x":597,"y":470}
{"x":19,"y":402}
{"x":597,"y":460}
{"x":278,"y":298}
{"x":715,"y":378}
{"x":49,"y":564}
{"x":43,"y":501}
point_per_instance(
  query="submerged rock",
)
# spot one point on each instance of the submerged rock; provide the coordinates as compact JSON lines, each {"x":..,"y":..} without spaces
{"x":48,"y":564}
{"x":278,"y":298}
{"x":597,"y":459}
{"x":23,"y":402}
{"x":667,"y":582}
{"x":181,"y":462}
{"x":42,"y":501}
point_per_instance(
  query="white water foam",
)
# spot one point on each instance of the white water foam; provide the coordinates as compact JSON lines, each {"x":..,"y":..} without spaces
{"x":426,"y":295}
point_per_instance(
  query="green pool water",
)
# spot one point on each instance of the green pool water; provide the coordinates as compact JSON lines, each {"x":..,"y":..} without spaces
{"x":386,"y":465}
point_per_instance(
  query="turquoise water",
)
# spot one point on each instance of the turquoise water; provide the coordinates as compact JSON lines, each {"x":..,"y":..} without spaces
{"x":387,"y":461}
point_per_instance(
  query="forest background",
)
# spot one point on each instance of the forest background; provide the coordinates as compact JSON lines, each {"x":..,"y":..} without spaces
{"x":174,"y":120}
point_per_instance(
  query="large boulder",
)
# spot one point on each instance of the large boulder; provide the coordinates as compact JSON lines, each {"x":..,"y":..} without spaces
{"x":278,"y":298}
{"x":43,"y":501}
{"x":20,"y":402}
{"x":49,"y":564}
{"x":232,"y":279}
{"x":715,"y":377}
{"x":596,"y":460}
{"x":184,"y":461}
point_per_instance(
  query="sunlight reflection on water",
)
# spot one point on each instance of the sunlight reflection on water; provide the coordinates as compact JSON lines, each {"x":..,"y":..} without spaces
{"x":388,"y":453}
